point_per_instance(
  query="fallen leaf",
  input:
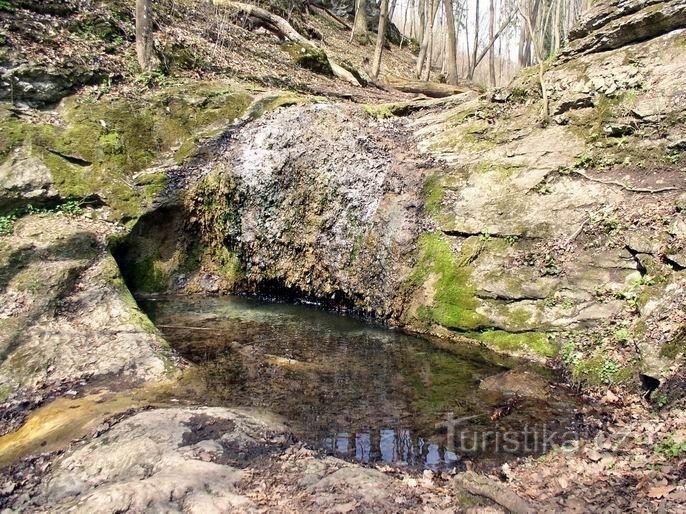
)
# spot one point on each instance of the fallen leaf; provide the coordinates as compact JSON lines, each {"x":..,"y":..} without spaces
{"x":660,"y":491}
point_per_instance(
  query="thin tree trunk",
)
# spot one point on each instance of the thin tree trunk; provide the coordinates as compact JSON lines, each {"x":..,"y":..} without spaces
{"x":380,"y":38}
{"x":557,"y":26}
{"x":144,"y":42}
{"x":489,"y":45}
{"x":360,"y":32}
{"x":429,"y":59}
{"x":491,"y":52}
{"x":451,"y":55}
{"x":476,"y":42}
{"x":432,"y":8}
{"x":466,"y":37}
{"x":422,"y":7}
{"x":545,"y":111}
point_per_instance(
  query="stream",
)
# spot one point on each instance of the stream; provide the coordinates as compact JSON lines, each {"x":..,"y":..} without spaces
{"x":353,"y":388}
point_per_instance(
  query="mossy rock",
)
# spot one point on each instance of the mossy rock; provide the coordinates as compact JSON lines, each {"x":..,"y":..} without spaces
{"x":104,"y":143}
{"x":537,"y":343}
{"x":309,"y":57}
{"x":454,"y":304}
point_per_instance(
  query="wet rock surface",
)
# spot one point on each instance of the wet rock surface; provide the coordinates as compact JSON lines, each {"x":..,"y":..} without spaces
{"x":212,"y":460}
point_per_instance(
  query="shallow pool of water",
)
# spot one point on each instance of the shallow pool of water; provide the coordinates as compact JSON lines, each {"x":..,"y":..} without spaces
{"x":355,"y":389}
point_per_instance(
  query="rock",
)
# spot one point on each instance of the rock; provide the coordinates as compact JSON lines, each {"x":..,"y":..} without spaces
{"x":501,"y":95}
{"x":24,"y":179}
{"x":619,"y":23}
{"x":643,"y":242}
{"x":207,"y":459}
{"x":570,"y":102}
{"x":618,"y":129}
{"x":97,"y":331}
{"x":678,"y":228}
{"x":39,"y":86}
{"x":520,"y":383}
{"x":677,"y":146}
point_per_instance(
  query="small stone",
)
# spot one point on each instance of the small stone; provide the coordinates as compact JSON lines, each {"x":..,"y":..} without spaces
{"x":680,"y":202}
{"x":618,"y":129}
{"x":593,"y":455}
{"x":679,"y":145}
{"x":501,"y":95}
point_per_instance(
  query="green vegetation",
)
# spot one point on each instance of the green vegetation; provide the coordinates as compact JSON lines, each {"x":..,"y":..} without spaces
{"x":70,"y":208}
{"x":538,"y":342}
{"x":103,"y":144}
{"x":599,"y":370}
{"x":7,"y":223}
{"x":380,"y":111}
{"x":454,"y":304}
{"x":308,"y":57}
{"x":433,"y":193}
{"x":675,"y":347}
{"x":149,"y":276}
{"x":669,"y":448}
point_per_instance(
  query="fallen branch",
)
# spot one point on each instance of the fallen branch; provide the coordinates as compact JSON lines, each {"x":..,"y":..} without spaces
{"x":325,"y":13}
{"x":493,"y":490}
{"x":282,"y":28}
{"x":576,"y":233}
{"x":624,"y":186}
{"x":430,"y":89}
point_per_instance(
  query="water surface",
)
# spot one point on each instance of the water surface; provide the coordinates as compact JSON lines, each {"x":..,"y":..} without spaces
{"x":355,"y":389}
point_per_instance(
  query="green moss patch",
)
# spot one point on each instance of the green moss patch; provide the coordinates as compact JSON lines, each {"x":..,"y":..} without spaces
{"x":537,"y":342}
{"x":454,"y":303}
{"x":433,"y":194}
{"x":309,"y":57}
{"x":104,"y":143}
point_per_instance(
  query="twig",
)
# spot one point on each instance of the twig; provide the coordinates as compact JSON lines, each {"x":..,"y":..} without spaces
{"x":576,"y":233}
{"x":624,"y":186}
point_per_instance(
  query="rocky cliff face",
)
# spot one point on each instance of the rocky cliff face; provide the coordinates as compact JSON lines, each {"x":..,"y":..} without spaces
{"x":533,"y":237}
{"x":467,"y":217}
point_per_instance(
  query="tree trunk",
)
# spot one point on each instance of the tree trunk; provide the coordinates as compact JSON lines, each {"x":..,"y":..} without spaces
{"x":380,"y":38}
{"x":430,"y":54}
{"x":451,"y":54}
{"x":476,"y":41}
{"x":421,"y":18}
{"x":432,"y":9}
{"x":487,"y":48}
{"x":545,"y":109}
{"x":491,"y":52}
{"x":557,"y":26}
{"x":144,"y":34}
{"x":360,"y":32}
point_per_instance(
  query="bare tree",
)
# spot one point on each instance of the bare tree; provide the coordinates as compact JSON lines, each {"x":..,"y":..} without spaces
{"x":144,"y":42}
{"x":432,"y":8}
{"x":476,"y":41}
{"x":360,"y":31}
{"x":491,"y":35}
{"x":451,"y":50}
{"x":380,"y":38}
{"x":545,"y":111}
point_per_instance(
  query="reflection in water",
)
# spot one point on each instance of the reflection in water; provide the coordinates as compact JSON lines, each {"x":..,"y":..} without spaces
{"x":352,"y":388}
{"x":393,"y":447}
